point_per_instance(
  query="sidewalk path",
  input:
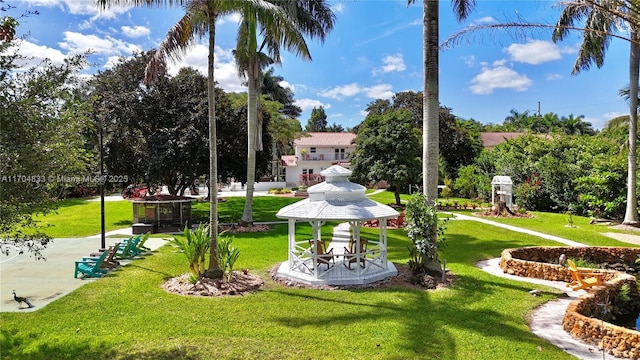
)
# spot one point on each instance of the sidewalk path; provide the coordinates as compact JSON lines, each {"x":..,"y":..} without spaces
{"x":517,"y":229}
{"x":43,"y":281}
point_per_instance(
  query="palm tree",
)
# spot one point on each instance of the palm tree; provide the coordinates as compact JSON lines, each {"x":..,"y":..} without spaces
{"x":602,"y":18}
{"x":431,"y":102}
{"x":199,"y":19}
{"x":301,"y":17}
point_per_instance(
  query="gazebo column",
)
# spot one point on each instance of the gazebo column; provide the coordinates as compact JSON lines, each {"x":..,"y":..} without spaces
{"x":383,"y":241}
{"x":292,"y":242}
{"x":316,"y":226}
{"x":355,"y":225}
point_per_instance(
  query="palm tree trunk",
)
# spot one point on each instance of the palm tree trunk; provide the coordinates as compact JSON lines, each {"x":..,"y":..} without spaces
{"x":214,"y":271}
{"x":252,"y":124}
{"x":431,"y":104}
{"x":431,"y":112}
{"x":631,"y":213}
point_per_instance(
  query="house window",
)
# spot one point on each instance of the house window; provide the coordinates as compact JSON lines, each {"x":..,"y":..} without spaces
{"x":312,"y":150}
{"x":339,"y":154}
{"x":307,"y":171}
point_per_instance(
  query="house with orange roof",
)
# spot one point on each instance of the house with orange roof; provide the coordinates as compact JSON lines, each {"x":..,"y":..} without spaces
{"x":491,"y":139}
{"x":315,"y":152}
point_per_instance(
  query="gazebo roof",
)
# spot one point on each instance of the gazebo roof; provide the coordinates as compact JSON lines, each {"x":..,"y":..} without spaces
{"x":336,"y":199}
{"x":501,"y":180}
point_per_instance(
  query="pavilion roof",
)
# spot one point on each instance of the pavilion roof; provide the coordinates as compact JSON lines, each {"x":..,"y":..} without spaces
{"x":337,"y":199}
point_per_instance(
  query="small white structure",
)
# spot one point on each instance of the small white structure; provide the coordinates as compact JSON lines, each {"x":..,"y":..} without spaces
{"x":501,"y":191}
{"x":337,"y":199}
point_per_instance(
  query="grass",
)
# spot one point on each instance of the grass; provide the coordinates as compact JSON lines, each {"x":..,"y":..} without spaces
{"x":80,"y":217}
{"x":556,"y":224}
{"x":127,"y":315}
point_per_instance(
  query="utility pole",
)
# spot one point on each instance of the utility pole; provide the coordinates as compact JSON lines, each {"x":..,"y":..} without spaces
{"x":538,"y":108}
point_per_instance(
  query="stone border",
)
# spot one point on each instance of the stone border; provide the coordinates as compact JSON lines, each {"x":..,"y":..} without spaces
{"x":617,"y":340}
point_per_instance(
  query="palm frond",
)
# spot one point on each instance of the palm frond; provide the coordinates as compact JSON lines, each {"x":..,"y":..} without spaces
{"x":178,"y":40}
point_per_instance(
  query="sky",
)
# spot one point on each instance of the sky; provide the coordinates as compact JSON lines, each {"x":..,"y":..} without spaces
{"x":373,"y":52}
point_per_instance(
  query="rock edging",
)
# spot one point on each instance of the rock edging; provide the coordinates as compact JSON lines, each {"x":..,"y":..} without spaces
{"x":529,"y":262}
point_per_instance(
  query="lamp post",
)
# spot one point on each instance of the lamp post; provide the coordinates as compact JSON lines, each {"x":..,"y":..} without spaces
{"x":102,"y":183}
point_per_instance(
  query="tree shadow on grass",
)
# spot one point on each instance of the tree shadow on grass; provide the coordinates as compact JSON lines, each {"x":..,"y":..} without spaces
{"x":13,"y":347}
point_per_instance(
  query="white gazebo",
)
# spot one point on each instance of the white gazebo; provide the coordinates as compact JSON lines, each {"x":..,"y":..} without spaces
{"x":337,"y":199}
{"x":501,"y":191}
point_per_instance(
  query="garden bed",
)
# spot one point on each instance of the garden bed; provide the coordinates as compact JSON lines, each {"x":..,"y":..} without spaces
{"x":580,"y":318}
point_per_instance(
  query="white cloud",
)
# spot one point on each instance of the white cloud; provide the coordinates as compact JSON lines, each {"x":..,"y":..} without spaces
{"x":554,"y":76}
{"x":534,"y":52}
{"x":35,"y":53}
{"x":599,"y":122}
{"x":111,"y":62}
{"x":81,"y":7}
{"x":340,"y":92}
{"x":233,"y":18}
{"x":308,"y":104}
{"x":484,"y":20}
{"x":286,"y":85}
{"x":337,"y":8}
{"x":391,"y":63}
{"x":135,"y":31}
{"x":363,"y":112}
{"x":499,"y":77}
{"x":336,"y":115}
{"x":379,"y":91}
{"x":500,"y":62}
{"x":77,"y":43}
{"x":470,"y":61}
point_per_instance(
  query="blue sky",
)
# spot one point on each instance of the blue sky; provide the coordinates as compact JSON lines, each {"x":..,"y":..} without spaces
{"x":374,"y":51}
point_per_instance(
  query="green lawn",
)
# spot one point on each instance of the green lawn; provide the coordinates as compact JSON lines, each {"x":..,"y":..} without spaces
{"x":127,"y":315}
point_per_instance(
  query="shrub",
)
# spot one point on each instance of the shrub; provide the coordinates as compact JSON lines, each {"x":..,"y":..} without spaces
{"x":194,"y":246}
{"x":227,"y":256}
{"x":425,"y":234}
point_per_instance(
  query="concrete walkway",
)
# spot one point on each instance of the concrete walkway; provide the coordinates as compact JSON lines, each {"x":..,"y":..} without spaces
{"x":43,"y":281}
{"x":517,"y":229}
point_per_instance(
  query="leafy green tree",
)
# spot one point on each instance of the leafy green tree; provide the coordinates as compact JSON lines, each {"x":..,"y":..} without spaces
{"x":283,"y":130}
{"x":575,"y":125}
{"x":156,"y":134}
{"x":273,"y":91}
{"x":602,"y":20}
{"x":459,"y":144}
{"x":426,"y":235}
{"x":42,"y":123}
{"x":317,"y":121}
{"x":335,"y":128}
{"x":387,"y":148}
{"x":232,"y":140}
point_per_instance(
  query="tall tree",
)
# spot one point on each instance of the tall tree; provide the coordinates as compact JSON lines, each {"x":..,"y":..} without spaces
{"x":317,"y":121}
{"x":199,"y":20}
{"x":431,"y":102}
{"x":282,"y":25}
{"x":388,"y":148}
{"x":602,"y":19}
{"x":42,"y":127}
{"x":156,"y":131}
{"x":273,"y":90}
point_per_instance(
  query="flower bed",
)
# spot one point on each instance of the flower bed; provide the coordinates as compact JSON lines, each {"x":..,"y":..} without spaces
{"x":542,"y":262}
